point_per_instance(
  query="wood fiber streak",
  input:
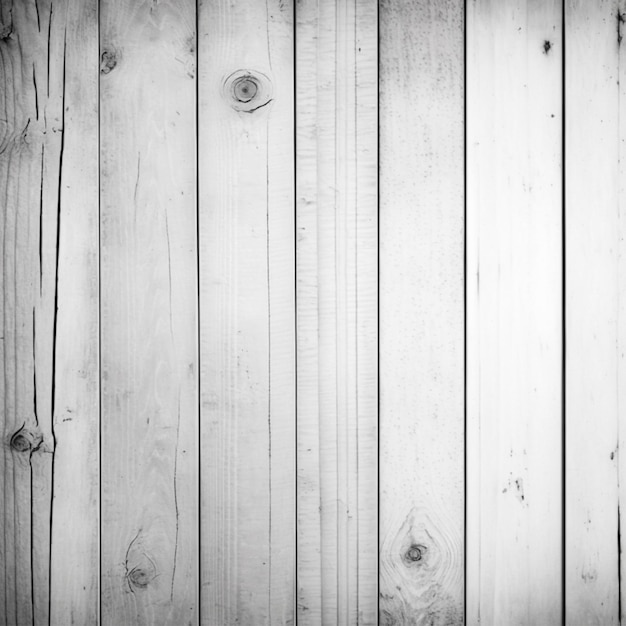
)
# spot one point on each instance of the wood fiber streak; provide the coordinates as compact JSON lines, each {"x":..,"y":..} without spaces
{"x":421,"y":312}
{"x":595,"y":305}
{"x":514,"y":312}
{"x":149,"y":320}
{"x":336,"y":157}
{"x":40,"y":117}
{"x":247,"y":308}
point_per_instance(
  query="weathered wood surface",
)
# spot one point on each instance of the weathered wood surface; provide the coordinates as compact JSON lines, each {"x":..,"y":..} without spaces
{"x":74,"y":571}
{"x":247,"y":311}
{"x":595,"y":299}
{"x":421,"y":312}
{"x":336,"y":153}
{"x":149,"y":503}
{"x":514,"y":329}
{"x":48,"y":344}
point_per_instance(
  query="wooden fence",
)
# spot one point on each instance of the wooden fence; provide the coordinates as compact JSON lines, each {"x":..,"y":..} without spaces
{"x":313,"y":312}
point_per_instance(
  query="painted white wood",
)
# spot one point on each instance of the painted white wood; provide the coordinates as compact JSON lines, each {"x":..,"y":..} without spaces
{"x":149,"y":325}
{"x":421,"y":312}
{"x":336,"y":56}
{"x":247,"y":312}
{"x":595,"y":301}
{"x":514,"y":326}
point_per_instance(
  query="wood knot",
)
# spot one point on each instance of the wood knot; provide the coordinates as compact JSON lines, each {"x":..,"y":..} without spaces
{"x":247,"y":91}
{"x":414,"y":553}
{"x":24,"y":440}
{"x":141,"y":577}
{"x":108,"y":61}
{"x":546,"y":46}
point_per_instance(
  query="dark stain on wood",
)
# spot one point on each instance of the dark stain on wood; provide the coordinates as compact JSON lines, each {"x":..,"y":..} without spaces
{"x":547,"y":46}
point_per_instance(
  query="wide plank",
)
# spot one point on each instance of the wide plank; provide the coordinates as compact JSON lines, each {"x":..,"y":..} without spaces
{"x":48,"y":276}
{"x":514,"y":309}
{"x":421,"y":312}
{"x":595,"y":303}
{"x":336,"y":153}
{"x":247,"y":312}
{"x":149,"y":334}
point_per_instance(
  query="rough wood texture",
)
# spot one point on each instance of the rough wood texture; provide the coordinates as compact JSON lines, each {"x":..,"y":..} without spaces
{"x":48,"y":371}
{"x":149,"y":502}
{"x":247,"y":312}
{"x":336,"y":156}
{"x":514,"y":329}
{"x":74,"y":573}
{"x":595,"y":300}
{"x":421,"y":312}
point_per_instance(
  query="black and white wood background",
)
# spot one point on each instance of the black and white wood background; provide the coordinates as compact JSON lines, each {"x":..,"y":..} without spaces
{"x":313,"y":312}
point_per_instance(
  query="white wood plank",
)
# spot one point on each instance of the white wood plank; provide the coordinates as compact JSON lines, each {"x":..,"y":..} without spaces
{"x":594,"y":311}
{"x":74,"y":570}
{"x":336,"y":57}
{"x":38,"y":354}
{"x":247,"y":312}
{"x":148,"y":312}
{"x":421,"y":312}
{"x":514,"y":327}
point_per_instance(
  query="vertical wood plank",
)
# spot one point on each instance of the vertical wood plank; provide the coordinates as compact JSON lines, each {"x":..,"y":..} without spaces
{"x":149,"y":502}
{"x":336,"y":56}
{"x":40,"y":118}
{"x":514,"y":327}
{"x":74,"y":570}
{"x":421,"y":312}
{"x":594,"y":311}
{"x":247,"y":311}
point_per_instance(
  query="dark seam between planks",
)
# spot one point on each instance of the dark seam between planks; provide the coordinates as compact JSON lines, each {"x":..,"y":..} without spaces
{"x":563,"y":329}
{"x":198,"y":317}
{"x":464,"y":15}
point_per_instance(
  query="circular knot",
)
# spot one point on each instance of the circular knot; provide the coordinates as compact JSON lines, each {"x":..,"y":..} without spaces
{"x":414,"y":553}
{"x":247,"y":90}
{"x":23,"y":440}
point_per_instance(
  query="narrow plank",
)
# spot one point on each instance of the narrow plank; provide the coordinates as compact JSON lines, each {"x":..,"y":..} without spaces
{"x":74,"y":571}
{"x":247,"y":312}
{"x":594,"y":311}
{"x":421,"y":312}
{"x":336,"y":71}
{"x":149,"y":504}
{"x":33,"y":70}
{"x":514,"y":328}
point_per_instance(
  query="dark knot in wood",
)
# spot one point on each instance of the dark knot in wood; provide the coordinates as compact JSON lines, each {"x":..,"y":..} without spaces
{"x":108,"y":61}
{"x":247,"y":90}
{"x":414,"y":553}
{"x":23,"y":440}
{"x":140,"y":577}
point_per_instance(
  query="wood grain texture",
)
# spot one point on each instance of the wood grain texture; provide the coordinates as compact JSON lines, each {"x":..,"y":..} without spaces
{"x":48,"y":371}
{"x":514,"y":327}
{"x":594,"y":88}
{"x":74,"y":571}
{"x":336,"y":104}
{"x":149,"y":320}
{"x":421,"y":312}
{"x":247,"y":312}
